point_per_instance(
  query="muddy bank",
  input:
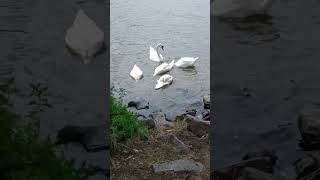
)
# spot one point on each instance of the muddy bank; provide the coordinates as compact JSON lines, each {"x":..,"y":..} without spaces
{"x":49,"y":82}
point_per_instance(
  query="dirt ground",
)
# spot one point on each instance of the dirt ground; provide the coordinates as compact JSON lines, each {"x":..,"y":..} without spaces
{"x":134,"y":159}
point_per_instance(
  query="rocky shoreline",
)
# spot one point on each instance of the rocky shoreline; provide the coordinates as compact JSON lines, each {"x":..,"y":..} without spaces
{"x":178,"y":138}
{"x":260,"y":163}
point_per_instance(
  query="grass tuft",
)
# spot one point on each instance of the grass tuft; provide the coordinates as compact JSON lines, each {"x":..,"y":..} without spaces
{"x":124,"y":124}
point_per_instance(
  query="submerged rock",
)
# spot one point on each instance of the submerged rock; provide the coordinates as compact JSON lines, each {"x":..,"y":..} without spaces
{"x":206,"y":101}
{"x":179,"y":166}
{"x":159,"y":119}
{"x":197,"y":126}
{"x":84,"y":37}
{"x":139,"y":104}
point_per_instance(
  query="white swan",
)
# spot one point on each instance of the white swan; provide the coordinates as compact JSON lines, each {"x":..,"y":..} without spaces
{"x":164,"y":67}
{"x":164,"y":80}
{"x":239,"y":8}
{"x":136,"y":73}
{"x":186,"y":62}
{"x":155,"y":54}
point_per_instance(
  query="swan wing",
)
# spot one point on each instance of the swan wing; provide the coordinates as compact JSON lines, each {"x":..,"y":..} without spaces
{"x":154,"y":55}
{"x":161,"y":69}
{"x":159,"y":85}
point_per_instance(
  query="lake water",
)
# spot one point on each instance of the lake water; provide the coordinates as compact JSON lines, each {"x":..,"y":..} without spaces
{"x":183,"y":27}
{"x":276,"y":59}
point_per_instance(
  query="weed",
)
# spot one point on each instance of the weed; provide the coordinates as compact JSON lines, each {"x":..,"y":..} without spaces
{"x":124,"y":124}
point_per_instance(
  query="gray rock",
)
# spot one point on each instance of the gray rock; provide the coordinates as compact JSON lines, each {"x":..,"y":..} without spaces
{"x":179,"y":166}
{"x":309,"y":126}
{"x":255,"y":174}
{"x":139,"y":104}
{"x":191,"y":112}
{"x":159,"y":119}
{"x":84,"y":37}
{"x":197,"y":126}
{"x":234,"y":171}
{"x":305,"y":166}
{"x":261,"y":153}
{"x":93,"y":138}
{"x":147,"y":121}
{"x":206,"y":101}
{"x":206,"y":115}
{"x":97,"y":161}
{"x":179,"y":145}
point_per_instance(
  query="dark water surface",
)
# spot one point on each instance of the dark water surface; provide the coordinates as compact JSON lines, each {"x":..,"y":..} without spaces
{"x":182,"y":26}
{"x":274,"y":59}
{"x":50,"y":83}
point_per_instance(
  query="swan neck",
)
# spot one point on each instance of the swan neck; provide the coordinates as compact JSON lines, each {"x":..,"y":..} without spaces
{"x":158,"y":53}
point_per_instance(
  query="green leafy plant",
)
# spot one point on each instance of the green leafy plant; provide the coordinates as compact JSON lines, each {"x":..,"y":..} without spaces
{"x":124,"y":124}
{"x":23,"y":157}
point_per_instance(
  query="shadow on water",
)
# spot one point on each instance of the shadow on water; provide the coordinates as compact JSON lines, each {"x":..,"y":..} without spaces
{"x":259,"y":28}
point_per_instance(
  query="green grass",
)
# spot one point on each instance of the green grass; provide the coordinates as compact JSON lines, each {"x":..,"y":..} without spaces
{"x":124,"y":124}
{"x":22,"y":157}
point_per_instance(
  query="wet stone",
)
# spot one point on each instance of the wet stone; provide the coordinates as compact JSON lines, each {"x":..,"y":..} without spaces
{"x":159,"y":119}
{"x":139,"y":104}
{"x":261,"y":153}
{"x":92,"y":138}
{"x":206,"y":115}
{"x":95,"y":138}
{"x":264,"y":164}
{"x":206,"y":101}
{"x":191,"y":112}
{"x":309,"y":126}
{"x":179,"y":166}
{"x":305,"y":166}
{"x":80,"y":157}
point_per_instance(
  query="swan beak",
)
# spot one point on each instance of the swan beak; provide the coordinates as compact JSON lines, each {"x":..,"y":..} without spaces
{"x":162,"y":47}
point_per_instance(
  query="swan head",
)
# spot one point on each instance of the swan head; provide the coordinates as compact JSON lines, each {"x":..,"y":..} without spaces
{"x":159,"y":45}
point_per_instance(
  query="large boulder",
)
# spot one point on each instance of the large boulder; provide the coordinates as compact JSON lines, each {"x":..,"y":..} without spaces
{"x":84,"y":37}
